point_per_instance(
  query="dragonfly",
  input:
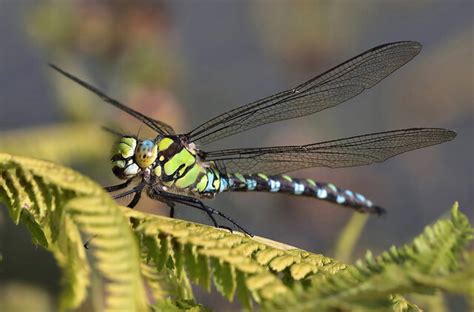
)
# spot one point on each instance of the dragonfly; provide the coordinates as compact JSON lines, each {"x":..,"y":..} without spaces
{"x":174,"y":168}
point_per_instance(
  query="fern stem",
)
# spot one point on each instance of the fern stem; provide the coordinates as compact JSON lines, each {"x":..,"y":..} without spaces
{"x":349,"y":237}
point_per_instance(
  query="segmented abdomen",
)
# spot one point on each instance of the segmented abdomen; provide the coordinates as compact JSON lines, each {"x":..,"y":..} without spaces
{"x":305,"y":187}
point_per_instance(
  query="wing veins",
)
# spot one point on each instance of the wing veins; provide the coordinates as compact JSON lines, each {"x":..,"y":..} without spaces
{"x":364,"y":71}
{"x":352,"y":151}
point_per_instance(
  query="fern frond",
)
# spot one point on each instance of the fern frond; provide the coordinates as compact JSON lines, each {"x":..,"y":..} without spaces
{"x":430,"y":262}
{"x":349,"y":236}
{"x":59,"y":206}
{"x":181,"y":305}
{"x":400,"y":304}
{"x":251,"y":268}
{"x":431,"y":302}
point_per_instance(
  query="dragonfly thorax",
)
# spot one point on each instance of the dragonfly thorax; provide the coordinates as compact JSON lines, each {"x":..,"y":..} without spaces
{"x":131,"y":156}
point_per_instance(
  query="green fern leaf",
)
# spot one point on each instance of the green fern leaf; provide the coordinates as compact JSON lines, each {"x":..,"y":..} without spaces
{"x":59,"y":207}
{"x":400,"y":304}
{"x":168,"y":305}
{"x":250,"y":268}
{"x":431,"y":262}
{"x":349,"y":236}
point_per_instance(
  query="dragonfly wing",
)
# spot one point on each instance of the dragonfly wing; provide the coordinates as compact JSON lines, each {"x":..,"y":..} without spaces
{"x":158,"y":126}
{"x":326,"y":90}
{"x":348,"y":152}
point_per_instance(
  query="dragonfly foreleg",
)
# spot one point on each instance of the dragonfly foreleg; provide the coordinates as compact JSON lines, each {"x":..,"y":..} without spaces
{"x":137,"y":190}
{"x":117,"y":187}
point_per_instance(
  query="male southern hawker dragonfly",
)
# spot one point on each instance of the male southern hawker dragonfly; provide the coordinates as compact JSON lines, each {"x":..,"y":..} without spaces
{"x":174,"y":169}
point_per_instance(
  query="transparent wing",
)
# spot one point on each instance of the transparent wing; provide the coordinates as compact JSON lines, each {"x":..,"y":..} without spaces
{"x":348,"y":152}
{"x":158,"y":126}
{"x":326,"y":90}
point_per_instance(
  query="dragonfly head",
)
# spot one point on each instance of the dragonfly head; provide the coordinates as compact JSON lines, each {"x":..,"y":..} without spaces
{"x":131,"y":155}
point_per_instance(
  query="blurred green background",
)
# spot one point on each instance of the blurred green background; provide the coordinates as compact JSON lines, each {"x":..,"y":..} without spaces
{"x":185,"y":62}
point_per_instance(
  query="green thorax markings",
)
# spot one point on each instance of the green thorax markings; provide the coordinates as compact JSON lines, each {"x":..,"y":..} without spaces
{"x":172,"y":165}
{"x":179,"y":163}
{"x":180,"y":169}
{"x":175,"y":158}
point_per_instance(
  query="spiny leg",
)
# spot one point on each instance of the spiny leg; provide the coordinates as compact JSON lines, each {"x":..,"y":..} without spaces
{"x":171,"y":206}
{"x":194,"y":205}
{"x":169,"y":203}
{"x":137,"y":190}
{"x":159,"y":195}
{"x":117,"y":187}
{"x":194,"y":202}
{"x":209,"y":211}
{"x":135,"y":199}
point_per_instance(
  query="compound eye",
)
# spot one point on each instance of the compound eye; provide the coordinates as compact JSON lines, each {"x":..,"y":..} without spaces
{"x":125,"y":147}
{"x":123,"y":152}
{"x":127,"y":172}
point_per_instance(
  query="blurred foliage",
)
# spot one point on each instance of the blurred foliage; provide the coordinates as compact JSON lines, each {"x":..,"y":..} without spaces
{"x":435,"y":260}
{"x":143,"y":57}
{"x":66,"y":143}
{"x":12,"y":298}
{"x":57,"y":206}
{"x":62,"y":208}
{"x":131,"y":45}
{"x":297,"y":31}
{"x":349,"y":236}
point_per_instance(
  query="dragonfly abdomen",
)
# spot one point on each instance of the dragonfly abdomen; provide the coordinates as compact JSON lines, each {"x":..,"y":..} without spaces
{"x":304,"y":187}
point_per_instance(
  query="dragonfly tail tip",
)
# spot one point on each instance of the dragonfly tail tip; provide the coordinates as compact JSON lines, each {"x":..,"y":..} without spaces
{"x":379,"y":211}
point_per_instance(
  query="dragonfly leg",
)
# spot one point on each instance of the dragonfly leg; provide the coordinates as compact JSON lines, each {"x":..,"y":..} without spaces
{"x":117,"y":187}
{"x":135,"y":199}
{"x":137,"y":190}
{"x":171,"y":205}
{"x":196,"y":203}
{"x":209,"y":214}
